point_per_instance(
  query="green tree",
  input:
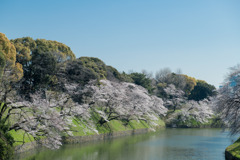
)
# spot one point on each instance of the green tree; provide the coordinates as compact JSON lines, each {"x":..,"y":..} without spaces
{"x":2,"y":63}
{"x":126,"y":77}
{"x":201,"y":91}
{"x":9,"y":52}
{"x":96,"y":65}
{"x":10,"y":71}
{"x":190,"y":84}
{"x":26,"y":46}
{"x":142,"y":80}
{"x":75,"y":72}
{"x":63,"y":52}
{"x":113,"y":74}
{"x":40,"y":59}
{"x":43,"y":69}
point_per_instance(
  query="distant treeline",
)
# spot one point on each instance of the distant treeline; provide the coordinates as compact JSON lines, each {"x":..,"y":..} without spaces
{"x":47,"y":64}
{"x":45,"y":89}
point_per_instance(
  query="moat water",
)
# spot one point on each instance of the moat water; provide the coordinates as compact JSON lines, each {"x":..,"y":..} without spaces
{"x":168,"y":144}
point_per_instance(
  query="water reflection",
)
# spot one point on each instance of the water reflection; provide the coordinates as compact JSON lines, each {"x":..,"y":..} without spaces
{"x":169,"y":144}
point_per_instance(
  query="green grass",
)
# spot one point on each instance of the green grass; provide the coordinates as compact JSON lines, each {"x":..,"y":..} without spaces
{"x":113,"y":126}
{"x":234,"y":149}
{"x":80,"y":129}
{"x":138,"y":124}
{"x":18,"y":137}
{"x":116,"y":125}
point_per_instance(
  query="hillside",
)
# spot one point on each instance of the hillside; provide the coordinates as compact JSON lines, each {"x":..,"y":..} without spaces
{"x":47,"y":93}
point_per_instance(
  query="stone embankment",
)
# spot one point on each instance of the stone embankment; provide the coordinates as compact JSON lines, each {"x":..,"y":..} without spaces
{"x":89,"y":138}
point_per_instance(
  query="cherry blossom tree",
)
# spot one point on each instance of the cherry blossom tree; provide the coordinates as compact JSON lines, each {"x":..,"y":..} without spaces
{"x":198,"y":112}
{"x":46,"y":116}
{"x":175,"y":97}
{"x":229,"y":100}
{"x":124,"y":101}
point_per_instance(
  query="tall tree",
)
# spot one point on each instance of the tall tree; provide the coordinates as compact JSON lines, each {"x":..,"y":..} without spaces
{"x":26,"y":46}
{"x":229,"y":100}
{"x":175,"y":97}
{"x":40,"y":59}
{"x":190,"y":84}
{"x":96,"y":65}
{"x":10,"y":72}
{"x":123,"y":101}
{"x":8,"y":51}
{"x":2,"y":63}
{"x":202,"y":90}
{"x":142,"y":80}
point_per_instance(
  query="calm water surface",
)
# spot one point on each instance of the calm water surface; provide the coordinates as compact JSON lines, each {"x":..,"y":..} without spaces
{"x":169,"y":144}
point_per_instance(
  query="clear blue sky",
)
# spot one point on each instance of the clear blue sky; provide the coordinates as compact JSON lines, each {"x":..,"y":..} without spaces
{"x":202,"y":37}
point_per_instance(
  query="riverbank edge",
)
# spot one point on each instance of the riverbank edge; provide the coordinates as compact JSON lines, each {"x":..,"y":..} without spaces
{"x":232,"y":152}
{"x":97,"y":137}
{"x":230,"y":156}
{"x":88,"y":138}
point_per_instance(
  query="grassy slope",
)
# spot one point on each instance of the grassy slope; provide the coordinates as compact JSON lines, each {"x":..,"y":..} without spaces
{"x":18,"y":137}
{"x":80,"y":128}
{"x":234,"y":149}
{"x":112,"y":126}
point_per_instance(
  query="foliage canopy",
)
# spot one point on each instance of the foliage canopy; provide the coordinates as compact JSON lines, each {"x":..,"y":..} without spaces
{"x":201,"y":91}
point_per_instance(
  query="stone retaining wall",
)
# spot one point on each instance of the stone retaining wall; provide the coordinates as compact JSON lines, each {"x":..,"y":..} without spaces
{"x":82,"y":139}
